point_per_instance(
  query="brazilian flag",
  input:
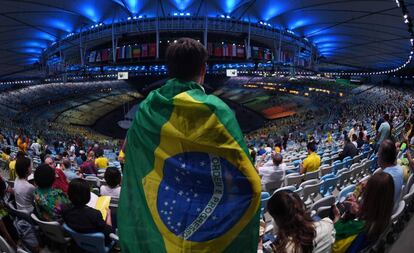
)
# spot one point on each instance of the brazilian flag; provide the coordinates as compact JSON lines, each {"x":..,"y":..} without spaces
{"x":189,"y":184}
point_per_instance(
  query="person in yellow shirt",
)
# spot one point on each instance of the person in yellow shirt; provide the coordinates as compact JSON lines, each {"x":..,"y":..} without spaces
{"x":23,"y":143}
{"x":121,"y":156}
{"x":5,"y":154}
{"x":330,"y":139}
{"x":101,"y":162}
{"x":312,"y":162}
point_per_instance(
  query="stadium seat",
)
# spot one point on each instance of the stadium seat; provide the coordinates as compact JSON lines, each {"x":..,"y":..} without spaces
{"x":263,"y":200}
{"x":6,"y":248}
{"x":312,"y":175}
{"x":294,"y":179}
{"x":328,"y":184}
{"x":343,"y":194}
{"x":325,"y":170}
{"x":310,"y":192}
{"x":410,"y":182}
{"x":286,"y":188}
{"x":347,"y":161}
{"x":52,"y":230}
{"x":327,"y":201}
{"x":91,"y":242}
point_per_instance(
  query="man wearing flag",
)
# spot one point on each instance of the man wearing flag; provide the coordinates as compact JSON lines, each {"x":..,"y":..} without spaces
{"x":189,"y":184}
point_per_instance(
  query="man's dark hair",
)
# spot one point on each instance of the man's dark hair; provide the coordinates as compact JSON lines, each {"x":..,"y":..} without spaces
{"x":22,"y":167}
{"x":99,"y":153}
{"x":112,"y":177}
{"x":277,"y":159}
{"x":20,"y":154}
{"x":44,"y":176}
{"x":387,"y":152}
{"x":311,"y":146}
{"x":354,"y":137}
{"x":79,"y":192}
{"x":66,"y":163}
{"x":387,"y":117}
{"x":186,"y":58}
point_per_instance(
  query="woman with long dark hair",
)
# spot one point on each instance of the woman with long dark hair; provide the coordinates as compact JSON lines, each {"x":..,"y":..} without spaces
{"x":373,"y":215}
{"x":297,"y":232}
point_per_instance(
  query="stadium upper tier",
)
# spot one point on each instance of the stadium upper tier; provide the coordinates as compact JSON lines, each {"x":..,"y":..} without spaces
{"x":368,"y":36}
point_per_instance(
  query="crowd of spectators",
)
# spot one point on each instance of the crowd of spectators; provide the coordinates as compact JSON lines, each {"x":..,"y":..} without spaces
{"x":50,"y":172}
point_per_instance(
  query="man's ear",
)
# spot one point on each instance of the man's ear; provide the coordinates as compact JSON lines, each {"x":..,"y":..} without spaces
{"x":203,"y":73}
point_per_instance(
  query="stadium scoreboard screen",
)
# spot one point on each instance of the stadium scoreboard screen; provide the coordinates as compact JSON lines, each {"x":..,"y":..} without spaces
{"x":122,"y":75}
{"x":231,"y":72}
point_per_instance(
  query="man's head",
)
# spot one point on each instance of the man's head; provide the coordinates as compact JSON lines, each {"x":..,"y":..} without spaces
{"x":387,"y":154}
{"x":49,"y":161}
{"x":186,"y":60}
{"x":66,"y":164}
{"x":277,"y":159}
{"x":311,"y":147}
{"x":387,"y":117}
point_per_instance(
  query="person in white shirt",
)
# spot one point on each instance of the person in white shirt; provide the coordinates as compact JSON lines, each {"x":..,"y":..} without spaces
{"x":23,"y":190}
{"x":36,"y":148}
{"x":113,"y":181}
{"x":274,"y":172}
{"x":297,"y":231}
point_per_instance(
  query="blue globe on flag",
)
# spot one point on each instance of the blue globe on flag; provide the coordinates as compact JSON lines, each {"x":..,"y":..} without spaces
{"x":201,"y":196}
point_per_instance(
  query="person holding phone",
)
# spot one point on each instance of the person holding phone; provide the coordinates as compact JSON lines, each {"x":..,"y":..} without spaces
{"x":363,"y":221}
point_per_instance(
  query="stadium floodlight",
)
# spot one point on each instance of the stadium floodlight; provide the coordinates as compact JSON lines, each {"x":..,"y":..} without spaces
{"x":140,"y":16}
{"x":405,"y":16}
{"x":135,"y":17}
{"x":228,"y":17}
{"x":188,"y":14}
{"x":406,"y":21}
{"x":175,"y":14}
{"x":129,"y":18}
{"x":181,"y":14}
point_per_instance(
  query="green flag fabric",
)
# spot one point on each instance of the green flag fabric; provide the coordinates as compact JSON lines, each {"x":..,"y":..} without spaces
{"x":189,"y":184}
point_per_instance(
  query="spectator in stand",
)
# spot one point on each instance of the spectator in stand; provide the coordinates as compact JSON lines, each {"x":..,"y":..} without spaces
{"x":113,"y":180}
{"x":372,"y":215}
{"x":312,"y":162}
{"x":387,"y":160}
{"x":70,"y":173}
{"x":88,"y":166}
{"x":82,"y":218}
{"x":101,"y":162}
{"x":360,"y":140}
{"x":352,"y":131}
{"x":23,"y":143}
{"x":5,"y":155}
{"x":348,"y":150}
{"x":23,"y":190}
{"x":384,"y":130}
{"x":354,"y":140}
{"x":79,"y":159}
{"x":12,"y":164}
{"x":36,"y":147}
{"x":275,"y":172}
{"x":297,"y":232}
{"x":60,"y":179}
{"x":49,"y":202}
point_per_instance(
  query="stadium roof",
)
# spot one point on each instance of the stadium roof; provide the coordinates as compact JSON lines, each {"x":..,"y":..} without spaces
{"x":365,"y":33}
